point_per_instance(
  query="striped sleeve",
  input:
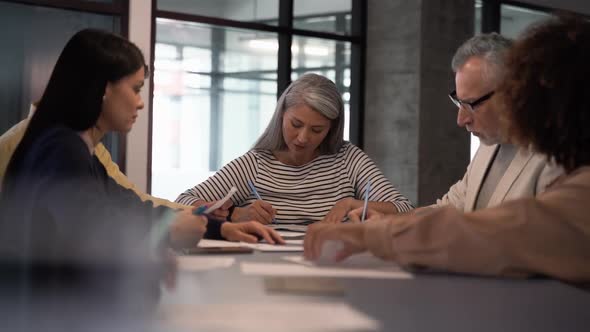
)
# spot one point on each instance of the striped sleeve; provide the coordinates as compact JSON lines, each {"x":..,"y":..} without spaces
{"x":361,"y":169}
{"x":235,"y":173}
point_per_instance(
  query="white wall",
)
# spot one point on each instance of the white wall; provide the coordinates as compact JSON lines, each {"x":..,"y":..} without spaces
{"x":140,"y":13}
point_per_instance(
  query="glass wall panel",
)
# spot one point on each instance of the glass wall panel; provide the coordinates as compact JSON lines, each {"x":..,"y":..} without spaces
{"x":514,"y":20}
{"x":31,"y":39}
{"x":214,"y":93}
{"x":325,"y":57}
{"x":261,"y":11}
{"x":477,"y":18}
{"x":325,"y":16}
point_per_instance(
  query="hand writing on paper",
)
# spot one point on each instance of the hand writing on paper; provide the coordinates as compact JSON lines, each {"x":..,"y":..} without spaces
{"x":355,"y":215}
{"x":250,"y":232}
{"x":339,"y":211}
{"x":350,"y":235}
{"x":260,"y":211}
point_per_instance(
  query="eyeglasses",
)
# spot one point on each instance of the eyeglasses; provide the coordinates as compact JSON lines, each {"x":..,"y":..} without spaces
{"x":470,"y":106}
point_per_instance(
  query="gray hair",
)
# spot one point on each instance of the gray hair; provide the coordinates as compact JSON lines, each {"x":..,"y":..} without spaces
{"x":491,"y":47}
{"x":318,"y":93}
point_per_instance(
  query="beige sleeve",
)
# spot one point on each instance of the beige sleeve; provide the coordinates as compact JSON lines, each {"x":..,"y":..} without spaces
{"x":549,"y":235}
{"x":115,"y":173}
{"x":8,"y":143}
{"x":456,"y":194}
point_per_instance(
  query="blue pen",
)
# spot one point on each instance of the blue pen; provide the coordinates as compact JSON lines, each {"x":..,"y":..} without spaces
{"x":257,"y":195}
{"x":367,"y":189}
{"x":200,"y":210}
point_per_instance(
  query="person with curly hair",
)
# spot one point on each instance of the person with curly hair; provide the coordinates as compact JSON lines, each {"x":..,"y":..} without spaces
{"x":542,"y":104}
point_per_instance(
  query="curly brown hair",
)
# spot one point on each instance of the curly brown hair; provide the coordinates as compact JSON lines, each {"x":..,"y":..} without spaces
{"x":546,"y":91}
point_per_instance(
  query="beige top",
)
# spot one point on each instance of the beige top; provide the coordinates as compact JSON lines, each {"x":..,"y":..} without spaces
{"x":504,"y":156}
{"x":527,"y":175}
{"x":547,"y":235}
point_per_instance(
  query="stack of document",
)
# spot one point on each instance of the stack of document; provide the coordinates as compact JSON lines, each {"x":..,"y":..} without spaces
{"x":196,"y":263}
{"x":290,"y":246}
{"x":305,"y":316}
{"x":357,"y":266}
{"x":288,"y":235}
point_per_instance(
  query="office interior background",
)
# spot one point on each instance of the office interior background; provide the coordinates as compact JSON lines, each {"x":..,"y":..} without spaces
{"x":219,"y":65}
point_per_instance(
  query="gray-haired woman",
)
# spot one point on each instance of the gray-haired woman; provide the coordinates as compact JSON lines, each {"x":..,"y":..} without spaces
{"x":301,"y":168}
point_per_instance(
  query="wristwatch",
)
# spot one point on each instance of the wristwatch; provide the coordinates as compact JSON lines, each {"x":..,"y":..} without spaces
{"x":231,"y":211}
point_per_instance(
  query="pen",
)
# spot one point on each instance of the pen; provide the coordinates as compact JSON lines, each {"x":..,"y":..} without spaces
{"x":200,"y":210}
{"x":257,"y":195}
{"x":254,"y":191}
{"x":222,"y":201}
{"x":367,"y":189}
{"x":205,"y":209}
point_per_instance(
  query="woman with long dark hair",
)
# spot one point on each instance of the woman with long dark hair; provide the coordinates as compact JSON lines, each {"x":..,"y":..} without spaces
{"x":58,"y":204}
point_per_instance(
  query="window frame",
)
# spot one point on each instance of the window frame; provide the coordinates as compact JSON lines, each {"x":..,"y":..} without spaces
{"x":492,"y":9}
{"x":285,"y":32}
{"x":118,"y":8}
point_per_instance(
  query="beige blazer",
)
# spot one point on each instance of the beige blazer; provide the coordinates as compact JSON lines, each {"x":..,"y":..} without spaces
{"x":547,"y":235}
{"x":527,"y":175}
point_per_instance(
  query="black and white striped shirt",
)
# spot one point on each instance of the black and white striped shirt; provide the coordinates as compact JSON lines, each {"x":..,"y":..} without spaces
{"x":299,"y":193}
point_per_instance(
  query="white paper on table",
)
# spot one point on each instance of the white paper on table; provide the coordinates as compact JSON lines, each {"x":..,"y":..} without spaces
{"x":359,"y":261}
{"x":288,"y":241}
{"x":273,"y":247}
{"x":258,"y":316}
{"x":203,"y":263}
{"x":308,"y":269}
{"x":288,"y":234}
{"x":291,"y":245}
{"x":205,"y":243}
{"x":289,"y":227}
{"x":294,"y":242}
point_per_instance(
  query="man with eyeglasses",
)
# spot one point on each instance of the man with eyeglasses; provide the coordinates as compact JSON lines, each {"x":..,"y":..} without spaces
{"x":499,"y":171}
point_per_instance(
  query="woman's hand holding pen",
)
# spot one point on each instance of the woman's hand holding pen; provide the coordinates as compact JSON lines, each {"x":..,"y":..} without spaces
{"x":356,"y":215}
{"x":187,"y":229}
{"x":220,"y":213}
{"x":343,"y":207}
{"x":259,"y":210}
{"x":339,"y":211}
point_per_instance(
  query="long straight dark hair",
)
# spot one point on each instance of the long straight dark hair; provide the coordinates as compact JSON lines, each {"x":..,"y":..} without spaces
{"x":73,"y":96}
